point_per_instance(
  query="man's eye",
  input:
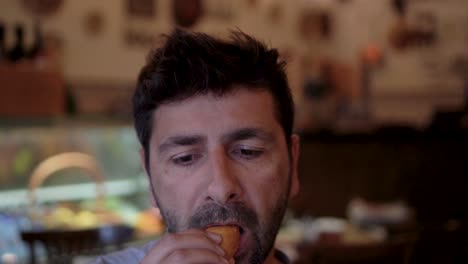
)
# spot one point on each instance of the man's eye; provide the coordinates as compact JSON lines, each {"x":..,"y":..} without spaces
{"x":186,"y":160}
{"x":247,"y":153}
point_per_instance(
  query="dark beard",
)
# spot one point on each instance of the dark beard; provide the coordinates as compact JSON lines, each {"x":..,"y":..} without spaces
{"x":268,"y":232}
{"x":263,"y":234}
{"x":213,"y":213}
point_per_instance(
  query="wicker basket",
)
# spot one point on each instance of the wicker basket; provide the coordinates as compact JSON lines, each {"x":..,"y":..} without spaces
{"x":61,"y":162}
{"x":62,"y":244}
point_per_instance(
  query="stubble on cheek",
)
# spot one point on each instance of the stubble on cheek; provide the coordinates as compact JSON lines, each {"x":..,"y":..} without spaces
{"x":170,"y":219}
{"x":173,"y":200}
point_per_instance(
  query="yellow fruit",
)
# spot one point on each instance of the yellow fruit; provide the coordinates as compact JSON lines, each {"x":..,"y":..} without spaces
{"x":85,"y":219}
{"x":231,"y":238}
{"x":148,"y":223}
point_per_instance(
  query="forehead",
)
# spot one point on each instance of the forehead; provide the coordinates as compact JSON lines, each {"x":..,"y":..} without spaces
{"x":205,"y":114}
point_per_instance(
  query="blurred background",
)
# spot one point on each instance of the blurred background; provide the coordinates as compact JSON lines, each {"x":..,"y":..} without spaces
{"x":381,"y":93}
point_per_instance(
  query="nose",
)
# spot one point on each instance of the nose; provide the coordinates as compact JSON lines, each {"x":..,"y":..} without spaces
{"x":224,"y":186}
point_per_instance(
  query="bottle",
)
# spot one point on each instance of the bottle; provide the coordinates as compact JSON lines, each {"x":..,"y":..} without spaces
{"x":3,"y":53}
{"x":38,"y":45}
{"x":17,"y":52}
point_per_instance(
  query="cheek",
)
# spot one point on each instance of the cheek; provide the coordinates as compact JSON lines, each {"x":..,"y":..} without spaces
{"x":165,"y":187}
{"x":265,"y":185}
{"x":177,"y":189}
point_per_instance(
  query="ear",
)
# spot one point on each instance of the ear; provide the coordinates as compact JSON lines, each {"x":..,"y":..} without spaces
{"x":152,"y":193}
{"x":295,"y":147}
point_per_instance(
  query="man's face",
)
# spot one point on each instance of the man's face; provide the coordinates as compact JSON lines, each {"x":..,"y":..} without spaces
{"x":223,"y":160}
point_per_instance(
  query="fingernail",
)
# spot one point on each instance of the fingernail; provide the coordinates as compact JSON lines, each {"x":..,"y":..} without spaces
{"x":215,"y":237}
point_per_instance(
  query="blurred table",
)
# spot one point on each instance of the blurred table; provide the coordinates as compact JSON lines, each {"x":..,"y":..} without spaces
{"x":396,"y":250}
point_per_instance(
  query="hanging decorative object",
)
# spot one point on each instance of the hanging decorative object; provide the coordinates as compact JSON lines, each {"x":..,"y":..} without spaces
{"x":422,"y":31}
{"x":399,"y":6}
{"x":94,"y":23}
{"x":275,"y":13}
{"x":221,"y":10}
{"x":315,"y":23}
{"x":252,"y":3}
{"x":138,"y":39}
{"x":187,"y":12}
{"x":141,"y":8}
{"x":42,"y":7}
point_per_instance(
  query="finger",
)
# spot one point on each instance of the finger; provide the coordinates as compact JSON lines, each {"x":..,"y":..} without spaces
{"x":185,"y":240}
{"x":214,"y":236}
{"x":194,"y":256}
{"x":189,"y":240}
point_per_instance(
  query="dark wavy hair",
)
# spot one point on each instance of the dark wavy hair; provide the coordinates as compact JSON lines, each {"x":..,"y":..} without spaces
{"x":193,"y":63}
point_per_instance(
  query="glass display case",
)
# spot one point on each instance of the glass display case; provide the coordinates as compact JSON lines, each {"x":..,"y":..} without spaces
{"x":68,"y":200}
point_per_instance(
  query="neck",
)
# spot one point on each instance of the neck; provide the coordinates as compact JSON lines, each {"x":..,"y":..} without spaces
{"x":271,"y":258}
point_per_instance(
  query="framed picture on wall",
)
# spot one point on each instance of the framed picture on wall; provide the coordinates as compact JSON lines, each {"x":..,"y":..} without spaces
{"x":187,"y":12}
{"x":42,"y":7}
{"x":141,"y":8}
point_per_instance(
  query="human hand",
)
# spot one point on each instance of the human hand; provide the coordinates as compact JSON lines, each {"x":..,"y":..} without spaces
{"x":191,"y":246}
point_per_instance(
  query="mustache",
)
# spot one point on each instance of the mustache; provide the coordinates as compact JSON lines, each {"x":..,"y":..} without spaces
{"x":214,"y":213}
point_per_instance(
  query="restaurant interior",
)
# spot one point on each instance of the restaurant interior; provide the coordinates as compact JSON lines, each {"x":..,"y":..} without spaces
{"x":381,"y":96}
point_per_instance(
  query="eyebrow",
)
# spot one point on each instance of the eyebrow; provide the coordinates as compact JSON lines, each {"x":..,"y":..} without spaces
{"x":248,"y":133}
{"x":183,"y":140}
